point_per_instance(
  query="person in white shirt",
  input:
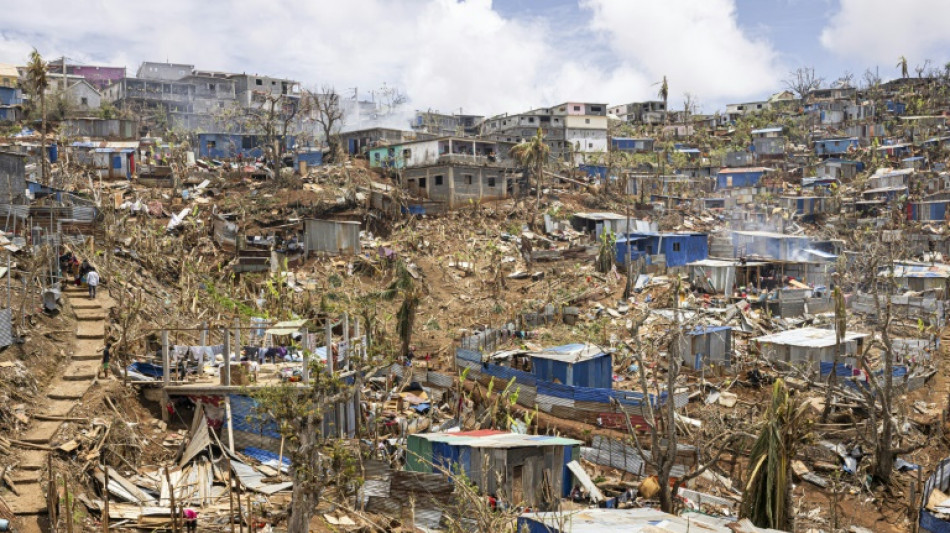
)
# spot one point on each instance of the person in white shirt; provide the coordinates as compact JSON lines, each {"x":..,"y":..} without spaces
{"x":92,"y":279}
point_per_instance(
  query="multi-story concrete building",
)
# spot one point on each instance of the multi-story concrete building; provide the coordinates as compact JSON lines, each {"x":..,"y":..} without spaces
{"x":435,"y":123}
{"x":99,"y":76}
{"x":650,"y":112}
{"x":197,"y":100}
{"x":573,"y":130}
{"x":149,"y":70}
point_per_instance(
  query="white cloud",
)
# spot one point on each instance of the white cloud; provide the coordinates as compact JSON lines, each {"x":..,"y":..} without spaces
{"x":880,"y":31}
{"x":697,"y":44}
{"x":445,"y":54}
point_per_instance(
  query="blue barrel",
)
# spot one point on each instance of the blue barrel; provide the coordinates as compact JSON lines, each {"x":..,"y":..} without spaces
{"x":53,"y":157}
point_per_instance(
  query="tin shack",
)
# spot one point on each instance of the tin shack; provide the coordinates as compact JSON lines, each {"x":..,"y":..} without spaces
{"x":519,"y":469}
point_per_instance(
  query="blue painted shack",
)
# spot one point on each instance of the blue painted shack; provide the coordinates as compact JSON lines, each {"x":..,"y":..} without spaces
{"x":707,"y":345}
{"x":836,"y":146}
{"x":896,"y":108}
{"x":594,"y":171}
{"x":928,"y":211}
{"x":729,"y":178}
{"x":513,"y":467}
{"x":311,"y":158}
{"x":230,"y":145}
{"x":577,"y":365}
{"x":631,"y":145}
{"x":678,"y":248}
{"x":9,"y":103}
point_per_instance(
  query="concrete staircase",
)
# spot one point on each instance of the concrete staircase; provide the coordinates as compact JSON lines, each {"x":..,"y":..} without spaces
{"x":62,"y":394}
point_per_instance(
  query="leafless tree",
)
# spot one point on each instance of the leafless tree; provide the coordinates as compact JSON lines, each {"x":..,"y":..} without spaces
{"x":661,"y":416}
{"x":328,"y":113}
{"x":274,"y":116}
{"x":802,"y":81}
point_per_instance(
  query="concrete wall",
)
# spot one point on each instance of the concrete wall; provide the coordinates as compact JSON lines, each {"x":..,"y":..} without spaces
{"x":83,"y":97}
{"x":103,"y":128}
{"x":456,"y":185}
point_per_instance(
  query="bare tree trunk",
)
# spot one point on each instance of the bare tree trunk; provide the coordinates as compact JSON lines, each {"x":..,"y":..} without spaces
{"x":44,"y":157}
{"x":302,"y":503}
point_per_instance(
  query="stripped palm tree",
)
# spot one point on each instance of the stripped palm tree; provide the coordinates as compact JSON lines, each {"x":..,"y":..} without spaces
{"x":841,"y":329}
{"x":766,"y":500}
{"x":403,"y":285}
{"x":665,"y":95}
{"x":902,"y":63}
{"x":533,"y":154}
{"x":38,"y":82}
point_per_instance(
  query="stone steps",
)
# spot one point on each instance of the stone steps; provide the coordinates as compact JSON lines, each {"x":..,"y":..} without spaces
{"x":31,"y":501}
{"x":42,"y":431}
{"x":80,"y":371}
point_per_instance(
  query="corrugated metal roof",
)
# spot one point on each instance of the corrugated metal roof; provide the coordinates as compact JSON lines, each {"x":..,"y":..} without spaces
{"x":807,"y":338}
{"x":496,"y":439}
{"x":720,"y":263}
{"x":570,"y":353}
{"x":601,"y":216}
{"x":767,"y":130}
{"x":626,"y":520}
{"x":743,"y":169}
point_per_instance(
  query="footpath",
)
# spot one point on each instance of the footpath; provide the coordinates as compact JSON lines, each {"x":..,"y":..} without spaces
{"x":77,"y":376}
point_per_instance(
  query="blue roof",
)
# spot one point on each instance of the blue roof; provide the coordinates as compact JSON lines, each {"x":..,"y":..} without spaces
{"x":702,"y":330}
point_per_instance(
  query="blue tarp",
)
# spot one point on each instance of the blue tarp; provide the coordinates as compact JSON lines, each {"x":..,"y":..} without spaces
{"x":147,"y":369}
{"x":264,"y":456}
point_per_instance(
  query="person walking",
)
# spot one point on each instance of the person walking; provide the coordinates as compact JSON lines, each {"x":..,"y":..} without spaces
{"x":92,"y":280}
{"x":106,"y":356}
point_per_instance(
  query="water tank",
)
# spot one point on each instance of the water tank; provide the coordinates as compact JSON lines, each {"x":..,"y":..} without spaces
{"x":53,"y":153}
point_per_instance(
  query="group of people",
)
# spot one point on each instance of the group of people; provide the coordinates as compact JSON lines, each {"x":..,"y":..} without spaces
{"x":80,"y":273}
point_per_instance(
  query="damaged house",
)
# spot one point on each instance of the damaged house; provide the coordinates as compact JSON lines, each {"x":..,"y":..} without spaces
{"x":528,"y":469}
{"x":810,"y":348}
{"x":450,"y":170}
{"x":670,"y":249}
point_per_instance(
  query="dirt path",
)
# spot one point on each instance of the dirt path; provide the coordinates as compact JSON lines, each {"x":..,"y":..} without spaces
{"x":78,"y":374}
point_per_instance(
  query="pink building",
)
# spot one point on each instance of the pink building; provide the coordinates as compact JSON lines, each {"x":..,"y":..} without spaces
{"x":98,"y":76}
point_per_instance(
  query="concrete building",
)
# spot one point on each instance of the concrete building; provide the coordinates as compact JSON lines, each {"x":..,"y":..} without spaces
{"x":458,"y":184}
{"x":573,"y":129}
{"x":149,"y":70}
{"x":10,"y":96}
{"x":650,"y":112}
{"x":83,"y":97}
{"x":435,"y":123}
{"x":151,"y":96}
{"x":734,"y":111}
{"x":357,"y":142}
{"x":253,"y":90}
{"x":442,"y":150}
{"x":99,"y":76}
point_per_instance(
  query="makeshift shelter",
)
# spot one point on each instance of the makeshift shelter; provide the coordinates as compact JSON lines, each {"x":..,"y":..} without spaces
{"x":578,"y":365}
{"x":810,"y":347}
{"x":528,"y":469}
{"x":706,"y":345}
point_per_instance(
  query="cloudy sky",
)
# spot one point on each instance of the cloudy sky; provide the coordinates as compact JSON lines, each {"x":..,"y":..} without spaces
{"x":489,"y":57}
